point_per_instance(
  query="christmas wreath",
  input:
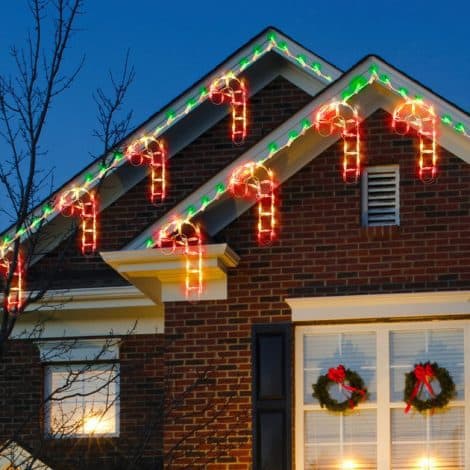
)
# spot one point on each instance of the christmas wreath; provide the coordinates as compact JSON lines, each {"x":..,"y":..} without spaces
{"x":421,"y":377}
{"x":351,"y":384}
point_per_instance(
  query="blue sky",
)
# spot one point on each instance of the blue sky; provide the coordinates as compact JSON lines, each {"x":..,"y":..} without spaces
{"x":174,"y":43}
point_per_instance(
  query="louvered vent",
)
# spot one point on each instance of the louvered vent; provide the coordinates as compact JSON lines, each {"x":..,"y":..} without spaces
{"x":380,"y":196}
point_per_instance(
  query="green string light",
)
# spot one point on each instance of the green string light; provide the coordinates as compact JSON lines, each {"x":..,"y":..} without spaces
{"x":219,"y":188}
{"x":316,"y":67}
{"x":203,"y":91}
{"x":170,"y":114}
{"x":273,"y":147}
{"x":244,"y":62}
{"x":271,"y":36}
{"x":283,"y":46}
{"x":47,"y":209}
{"x":191,"y":210}
{"x":205,"y":200}
{"x":89,"y":177}
{"x":191,"y":103}
{"x":302,"y":60}
{"x":459,"y":127}
{"x":149,"y":243}
{"x":118,"y":156}
{"x":257,"y":50}
{"x":306,"y":123}
{"x":374,"y":69}
{"x":446,"y":119}
{"x":293,"y":134}
{"x":403,"y":92}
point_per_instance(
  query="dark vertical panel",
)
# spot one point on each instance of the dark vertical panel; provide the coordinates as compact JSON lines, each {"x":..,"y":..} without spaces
{"x":272,"y":422}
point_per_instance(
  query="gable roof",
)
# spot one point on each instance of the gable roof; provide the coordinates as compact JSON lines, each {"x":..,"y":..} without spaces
{"x":256,"y":59}
{"x":372,"y":83}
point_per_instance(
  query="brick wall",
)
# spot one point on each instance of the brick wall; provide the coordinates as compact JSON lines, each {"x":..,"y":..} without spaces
{"x":322,"y":250}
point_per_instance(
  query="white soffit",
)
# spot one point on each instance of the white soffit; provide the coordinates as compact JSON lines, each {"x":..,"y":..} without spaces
{"x":160,"y":275}
{"x":379,"y":306}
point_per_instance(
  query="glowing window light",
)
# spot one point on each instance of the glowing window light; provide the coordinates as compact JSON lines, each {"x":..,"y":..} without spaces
{"x":82,"y":203}
{"x":416,"y":113}
{"x":232,"y":90}
{"x":152,"y":152}
{"x":254,"y":180}
{"x":348,"y":465}
{"x":427,"y":463}
{"x":14,"y":301}
{"x":184,"y":234}
{"x":98,"y":425}
{"x":340,"y":117}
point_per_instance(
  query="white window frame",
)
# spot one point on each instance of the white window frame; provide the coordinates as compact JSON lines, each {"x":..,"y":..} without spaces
{"x":92,"y":353}
{"x":383,"y":405}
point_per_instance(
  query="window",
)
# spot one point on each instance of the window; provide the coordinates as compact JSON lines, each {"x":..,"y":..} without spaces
{"x":81,"y":386}
{"x":380,"y":196}
{"x":378,"y":434}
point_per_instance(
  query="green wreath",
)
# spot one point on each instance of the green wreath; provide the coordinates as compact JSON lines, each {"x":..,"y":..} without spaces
{"x":421,"y":377}
{"x":349,"y":380}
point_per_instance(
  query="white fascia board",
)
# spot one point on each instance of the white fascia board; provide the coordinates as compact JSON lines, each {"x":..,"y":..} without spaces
{"x":379,"y":306}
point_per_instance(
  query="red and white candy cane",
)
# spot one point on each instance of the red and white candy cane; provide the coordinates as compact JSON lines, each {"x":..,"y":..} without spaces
{"x":232,"y":90}
{"x":13,"y":303}
{"x":184,"y":234}
{"x":152,"y":152}
{"x":340,"y":117}
{"x":416,"y":113}
{"x":81,"y":203}
{"x":254,"y":181}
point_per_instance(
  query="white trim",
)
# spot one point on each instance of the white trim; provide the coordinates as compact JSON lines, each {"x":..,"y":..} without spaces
{"x":383,"y":386}
{"x":379,"y":306}
{"x":161,"y":274}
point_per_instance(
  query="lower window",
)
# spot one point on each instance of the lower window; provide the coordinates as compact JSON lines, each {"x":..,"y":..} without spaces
{"x":81,"y":400}
{"x":378,"y":434}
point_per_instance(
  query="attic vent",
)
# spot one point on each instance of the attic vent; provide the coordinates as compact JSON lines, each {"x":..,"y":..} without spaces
{"x":380,"y":196}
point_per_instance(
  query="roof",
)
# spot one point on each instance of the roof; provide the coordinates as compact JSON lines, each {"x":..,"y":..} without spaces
{"x":254,"y":60}
{"x":370,"y":84}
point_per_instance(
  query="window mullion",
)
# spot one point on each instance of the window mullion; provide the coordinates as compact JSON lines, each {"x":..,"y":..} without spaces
{"x":383,"y":400}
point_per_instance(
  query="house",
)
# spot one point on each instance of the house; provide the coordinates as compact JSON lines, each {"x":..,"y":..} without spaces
{"x":237,"y":254}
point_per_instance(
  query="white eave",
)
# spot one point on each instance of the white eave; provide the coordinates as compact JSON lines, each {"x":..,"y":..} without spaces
{"x":161,"y":275}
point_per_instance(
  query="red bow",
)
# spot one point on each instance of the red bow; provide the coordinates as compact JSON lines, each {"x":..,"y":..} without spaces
{"x":338,"y":375}
{"x":423,"y":374}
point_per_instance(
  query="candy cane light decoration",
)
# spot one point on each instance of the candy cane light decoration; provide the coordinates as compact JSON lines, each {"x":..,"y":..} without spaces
{"x":13,"y":302}
{"x":340,"y":117}
{"x":254,"y":181}
{"x":81,"y":203}
{"x":232,"y":90}
{"x":186,"y":235}
{"x":151,"y":152}
{"x":416,"y":113}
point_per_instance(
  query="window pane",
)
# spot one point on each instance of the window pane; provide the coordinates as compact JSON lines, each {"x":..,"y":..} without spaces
{"x":410,"y":347}
{"x":331,"y":439}
{"x":356,"y":351}
{"x":438,"y":437}
{"x":84,"y":400}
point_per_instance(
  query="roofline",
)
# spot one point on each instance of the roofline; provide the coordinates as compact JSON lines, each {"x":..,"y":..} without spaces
{"x":283,"y":131}
{"x":167,"y":105}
